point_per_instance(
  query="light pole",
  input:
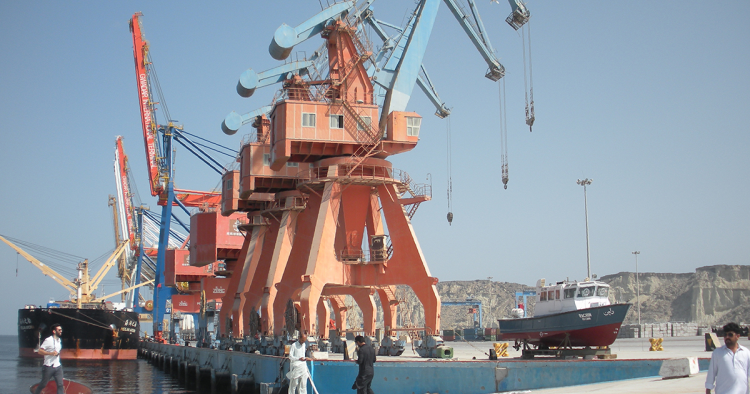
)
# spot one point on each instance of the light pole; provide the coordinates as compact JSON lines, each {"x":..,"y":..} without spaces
{"x":585,"y":183}
{"x":489,"y":279}
{"x":637,"y":287}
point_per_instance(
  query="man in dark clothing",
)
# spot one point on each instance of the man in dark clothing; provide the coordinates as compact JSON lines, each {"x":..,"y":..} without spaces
{"x":366,"y":359}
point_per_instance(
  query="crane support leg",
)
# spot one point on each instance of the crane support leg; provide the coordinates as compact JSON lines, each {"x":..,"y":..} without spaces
{"x":255,"y":278}
{"x":245,"y":301}
{"x":291,"y":279}
{"x":389,"y":303}
{"x":366,"y":302}
{"x":323,"y":313}
{"x":339,"y":309}
{"x":279,"y":259}
{"x":230,"y":299}
{"x":407,"y":265}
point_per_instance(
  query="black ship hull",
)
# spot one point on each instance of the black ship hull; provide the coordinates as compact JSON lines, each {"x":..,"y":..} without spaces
{"x":92,"y":334}
{"x":597,"y":326}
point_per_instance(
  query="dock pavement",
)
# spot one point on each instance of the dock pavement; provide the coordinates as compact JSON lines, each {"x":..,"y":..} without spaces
{"x":625,"y":349}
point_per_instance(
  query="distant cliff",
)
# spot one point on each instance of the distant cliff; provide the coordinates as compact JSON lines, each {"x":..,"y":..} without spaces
{"x":712,"y":295}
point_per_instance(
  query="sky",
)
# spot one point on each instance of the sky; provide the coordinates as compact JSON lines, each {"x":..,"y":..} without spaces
{"x":648,"y":100}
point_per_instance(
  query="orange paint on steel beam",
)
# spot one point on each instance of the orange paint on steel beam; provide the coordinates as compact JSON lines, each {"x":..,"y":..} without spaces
{"x":323,"y":315}
{"x":291,"y":279}
{"x":240,"y":307}
{"x":258,"y":272}
{"x":235,"y":267}
{"x":281,"y":252}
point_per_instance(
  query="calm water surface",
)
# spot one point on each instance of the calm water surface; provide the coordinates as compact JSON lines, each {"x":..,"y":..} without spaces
{"x":104,"y":377}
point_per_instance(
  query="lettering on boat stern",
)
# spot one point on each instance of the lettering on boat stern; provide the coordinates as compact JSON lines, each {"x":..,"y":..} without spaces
{"x":585,"y":316}
{"x":610,"y":312}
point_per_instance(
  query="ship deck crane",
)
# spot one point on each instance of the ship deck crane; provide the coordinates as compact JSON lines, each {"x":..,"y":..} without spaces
{"x":83,"y":287}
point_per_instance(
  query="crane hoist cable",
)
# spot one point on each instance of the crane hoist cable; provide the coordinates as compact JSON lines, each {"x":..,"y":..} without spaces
{"x":450,"y":170}
{"x":528,"y":83}
{"x":503,"y":133}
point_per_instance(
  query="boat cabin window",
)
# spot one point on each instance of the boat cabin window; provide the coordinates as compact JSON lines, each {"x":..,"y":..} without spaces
{"x":543,"y":296}
{"x":586,"y":291}
{"x":557,"y":294}
{"x":551,"y":295}
{"x":602,"y":291}
{"x":570,"y":293}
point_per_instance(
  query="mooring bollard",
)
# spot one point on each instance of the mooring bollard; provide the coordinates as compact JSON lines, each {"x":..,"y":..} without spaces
{"x":235,"y":384}
{"x":198,"y":377}
{"x":213,"y":380}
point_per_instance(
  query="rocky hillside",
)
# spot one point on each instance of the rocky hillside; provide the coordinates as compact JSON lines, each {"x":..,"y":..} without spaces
{"x":711,"y":295}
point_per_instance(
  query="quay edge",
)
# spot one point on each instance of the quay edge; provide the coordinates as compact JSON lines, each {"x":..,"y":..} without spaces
{"x":399,"y":376}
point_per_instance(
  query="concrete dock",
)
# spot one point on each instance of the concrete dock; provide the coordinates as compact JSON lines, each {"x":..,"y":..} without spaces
{"x":636,"y":369}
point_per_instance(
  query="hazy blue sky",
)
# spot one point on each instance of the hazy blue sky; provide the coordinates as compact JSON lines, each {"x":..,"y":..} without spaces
{"x":648,"y":99}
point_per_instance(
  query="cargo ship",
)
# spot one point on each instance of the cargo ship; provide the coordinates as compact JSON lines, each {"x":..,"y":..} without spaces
{"x":93,"y":328}
{"x":92,"y":332}
{"x":567,"y":314}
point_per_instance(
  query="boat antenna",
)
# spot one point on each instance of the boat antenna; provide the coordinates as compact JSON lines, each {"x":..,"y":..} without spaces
{"x":585,"y":183}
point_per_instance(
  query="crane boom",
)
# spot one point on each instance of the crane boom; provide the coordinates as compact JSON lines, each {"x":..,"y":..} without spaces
{"x":148,"y":115}
{"x":106,"y":266}
{"x":125,"y":207}
{"x":100,"y":299}
{"x":47,"y":271}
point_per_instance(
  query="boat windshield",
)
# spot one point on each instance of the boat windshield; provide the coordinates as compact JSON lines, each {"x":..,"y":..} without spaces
{"x":570,"y":293}
{"x":586,"y":291}
{"x":602,"y":291}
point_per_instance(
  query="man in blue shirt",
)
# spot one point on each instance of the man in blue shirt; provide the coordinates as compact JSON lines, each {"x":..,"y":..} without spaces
{"x":52,"y":368}
{"x":730,"y":365}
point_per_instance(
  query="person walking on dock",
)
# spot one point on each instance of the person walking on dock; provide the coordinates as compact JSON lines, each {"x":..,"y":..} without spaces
{"x":52,"y":368}
{"x":366,"y":358}
{"x":298,"y":366}
{"x":730,"y":365}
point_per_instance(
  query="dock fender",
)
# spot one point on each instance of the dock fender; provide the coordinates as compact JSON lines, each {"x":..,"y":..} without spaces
{"x":500,"y":374}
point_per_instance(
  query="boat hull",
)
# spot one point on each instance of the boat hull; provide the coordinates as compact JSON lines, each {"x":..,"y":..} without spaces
{"x":88,"y":334}
{"x":69,"y":386}
{"x":596,"y":326}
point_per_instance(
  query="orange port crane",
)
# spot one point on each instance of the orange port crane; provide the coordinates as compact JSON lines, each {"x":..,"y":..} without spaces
{"x":157,"y":165}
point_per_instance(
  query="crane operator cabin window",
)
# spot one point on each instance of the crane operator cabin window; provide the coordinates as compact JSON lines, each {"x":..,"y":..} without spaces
{"x":412,"y":126}
{"x":308,"y":120}
{"x":337,"y":121}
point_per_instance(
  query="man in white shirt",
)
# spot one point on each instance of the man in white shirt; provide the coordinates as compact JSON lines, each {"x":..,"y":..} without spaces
{"x":730,"y":365}
{"x":52,"y":368}
{"x":298,"y":366}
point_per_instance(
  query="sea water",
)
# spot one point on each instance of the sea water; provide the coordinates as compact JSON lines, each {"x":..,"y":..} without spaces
{"x":104,"y":377}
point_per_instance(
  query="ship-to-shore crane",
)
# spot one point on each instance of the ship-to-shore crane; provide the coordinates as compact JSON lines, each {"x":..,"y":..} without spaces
{"x":137,"y":224}
{"x":158,"y":139}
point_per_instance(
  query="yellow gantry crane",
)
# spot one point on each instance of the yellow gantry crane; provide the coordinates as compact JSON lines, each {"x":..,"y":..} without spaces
{"x":82,"y":288}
